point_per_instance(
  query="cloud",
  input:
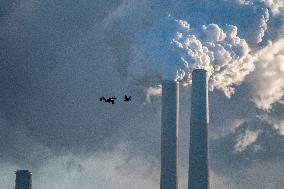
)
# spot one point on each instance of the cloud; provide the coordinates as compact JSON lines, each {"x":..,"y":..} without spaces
{"x":277,"y":123}
{"x":171,"y":49}
{"x":249,"y":149}
{"x":112,"y":170}
{"x":275,"y":5}
{"x":147,"y":26}
{"x":153,"y":91}
{"x":246,"y":139}
{"x":59,"y":58}
{"x":267,"y":81}
{"x":255,"y":140}
{"x":7,"y":176}
{"x":222,"y":182}
{"x":108,"y":171}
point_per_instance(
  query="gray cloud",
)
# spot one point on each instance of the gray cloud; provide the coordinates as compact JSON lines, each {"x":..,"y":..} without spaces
{"x":58,"y":58}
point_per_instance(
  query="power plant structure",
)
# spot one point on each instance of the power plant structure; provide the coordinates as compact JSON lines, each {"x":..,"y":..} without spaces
{"x":169,"y":135}
{"x":198,"y":174}
{"x":23,"y":179}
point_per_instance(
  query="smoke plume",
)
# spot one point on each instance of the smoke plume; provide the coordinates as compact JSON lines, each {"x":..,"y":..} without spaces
{"x":58,"y":58}
{"x":171,"y":50}
{"x":270,"y":72}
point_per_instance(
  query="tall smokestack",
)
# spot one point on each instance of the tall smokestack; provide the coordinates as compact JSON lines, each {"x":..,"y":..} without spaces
{"x":198,"y":176}
{"x":169,"y":135}
{"x":23,"y":179}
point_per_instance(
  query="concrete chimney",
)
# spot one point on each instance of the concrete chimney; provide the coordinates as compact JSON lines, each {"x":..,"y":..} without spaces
{"x":169,"y":135}
{"x":198,"y":176}
{"x":23,"y":179}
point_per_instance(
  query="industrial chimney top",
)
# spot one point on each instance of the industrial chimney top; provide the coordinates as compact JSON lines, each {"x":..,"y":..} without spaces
{"x":23,"y":172}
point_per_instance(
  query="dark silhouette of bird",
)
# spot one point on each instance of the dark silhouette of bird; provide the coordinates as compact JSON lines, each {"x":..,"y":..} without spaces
{"x":127,"y":98}
{"x":109,"y":100}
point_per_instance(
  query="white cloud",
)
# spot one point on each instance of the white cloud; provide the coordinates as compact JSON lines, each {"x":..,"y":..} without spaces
{"x":170,"y":50}
{"x":246,"y":139}
{"x":276,"y":6}
{"x":268,"y":79}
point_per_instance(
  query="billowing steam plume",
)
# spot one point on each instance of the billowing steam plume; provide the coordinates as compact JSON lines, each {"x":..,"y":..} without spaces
{"x":170,"y":49}
{"x":270,"y":71}
{"x":275,"y":5}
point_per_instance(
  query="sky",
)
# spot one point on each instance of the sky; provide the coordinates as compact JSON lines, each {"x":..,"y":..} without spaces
{"x":57,"y":58}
